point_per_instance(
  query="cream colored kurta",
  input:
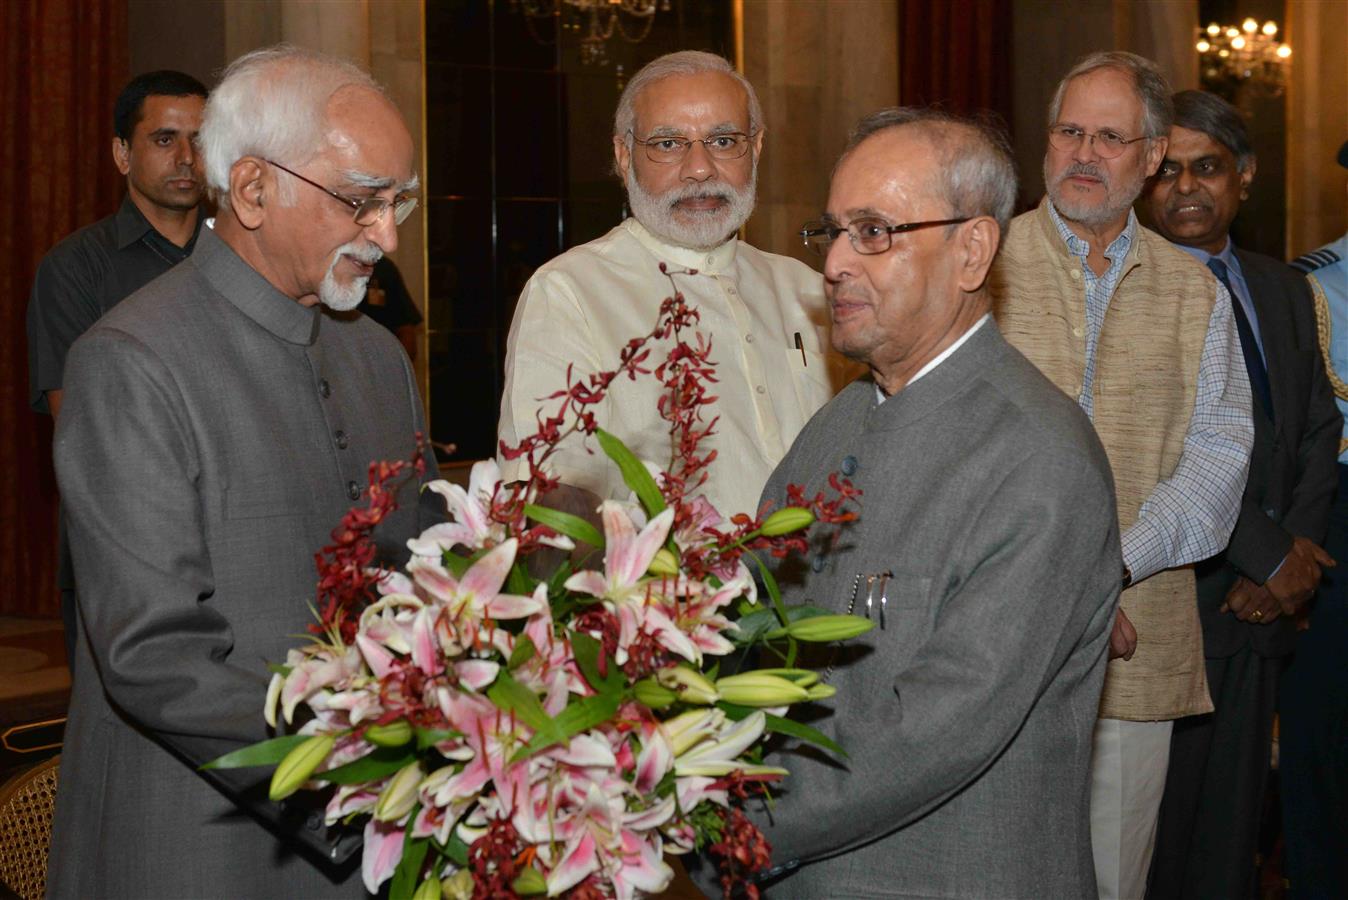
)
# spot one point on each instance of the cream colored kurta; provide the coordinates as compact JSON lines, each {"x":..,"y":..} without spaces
{"x":581,"y":308}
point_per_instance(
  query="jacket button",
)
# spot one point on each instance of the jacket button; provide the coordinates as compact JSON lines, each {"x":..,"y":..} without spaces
{"x":324,"y":389}
{"x":817,"y":564}
{"x":849,"y":465}
{"x":353,"y":490}
{"x":341,"y":439}
{"x":314,"y":822}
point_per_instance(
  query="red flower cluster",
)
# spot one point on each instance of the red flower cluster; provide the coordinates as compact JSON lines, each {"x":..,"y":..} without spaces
{"x":346,"y":579}
{"x":494,"y":861}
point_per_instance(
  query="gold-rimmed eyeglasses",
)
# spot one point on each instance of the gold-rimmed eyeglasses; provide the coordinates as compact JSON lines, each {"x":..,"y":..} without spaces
{"x":672,"y":148}
{"x":367,"y":211}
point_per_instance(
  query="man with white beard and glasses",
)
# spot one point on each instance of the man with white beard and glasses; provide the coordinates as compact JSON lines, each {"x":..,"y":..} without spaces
{"x":216,"y":427}
{"x":1143,"y":337}
{"x":686,"y":141}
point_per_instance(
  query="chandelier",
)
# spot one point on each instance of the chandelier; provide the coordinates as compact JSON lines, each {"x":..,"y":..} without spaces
{"x":595,"y":21}
{"x":1231,"y":58}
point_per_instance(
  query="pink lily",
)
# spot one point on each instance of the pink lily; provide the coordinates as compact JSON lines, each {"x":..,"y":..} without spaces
{"x":477,"y":595}
{"x":383,"y":850}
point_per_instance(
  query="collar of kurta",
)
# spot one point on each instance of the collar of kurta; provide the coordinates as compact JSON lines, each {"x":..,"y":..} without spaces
{"x":253,"y":295}
{"x":705,"y":262}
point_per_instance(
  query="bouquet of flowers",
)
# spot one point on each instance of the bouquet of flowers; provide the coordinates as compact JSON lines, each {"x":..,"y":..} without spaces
{"x":504,"y":734}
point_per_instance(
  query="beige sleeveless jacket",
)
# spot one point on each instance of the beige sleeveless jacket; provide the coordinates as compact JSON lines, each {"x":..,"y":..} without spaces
{"x":1146,"y":373}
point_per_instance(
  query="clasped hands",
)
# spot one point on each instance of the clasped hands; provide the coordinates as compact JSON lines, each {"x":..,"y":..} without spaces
{"x":1286,"y":591}
{"x":1283,"y":594}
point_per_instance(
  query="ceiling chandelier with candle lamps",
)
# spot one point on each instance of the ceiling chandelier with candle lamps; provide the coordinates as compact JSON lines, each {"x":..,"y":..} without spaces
{"x":594,"y":21}
{"x":1249,"y":55}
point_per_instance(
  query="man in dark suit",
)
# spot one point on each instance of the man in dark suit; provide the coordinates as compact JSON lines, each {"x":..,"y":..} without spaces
{"x":1247,"y":595}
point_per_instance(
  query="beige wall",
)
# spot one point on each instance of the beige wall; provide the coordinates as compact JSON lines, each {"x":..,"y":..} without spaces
{"x":1317,"y":123}
{"x":818,"y":66}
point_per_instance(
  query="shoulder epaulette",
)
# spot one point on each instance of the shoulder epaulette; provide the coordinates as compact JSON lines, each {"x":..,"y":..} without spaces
{"x":1316,"y":259}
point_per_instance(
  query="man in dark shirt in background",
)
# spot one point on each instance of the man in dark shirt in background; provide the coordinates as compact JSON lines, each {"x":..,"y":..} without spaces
{"x":388,"y":303}
{"x":155,"y":123}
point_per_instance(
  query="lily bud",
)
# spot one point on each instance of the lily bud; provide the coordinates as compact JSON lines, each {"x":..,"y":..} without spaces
{"x":664,"y":563}
{"x":649,"y":693}
{"x":530,"y":881}
{"x":458,"y":886}
{"x":400,"y":795}
{"x":299,"y":764}
{"x":753,"y":689}
{"x":828,"y":628}
{"x":802,"y":677}
{"x":394,"y":734}
{"x":786,"y":520}
{"x":692,"y":686}
{"x":685,"y":730}
{"x":821,"y":691}
{"x":428,"y":890}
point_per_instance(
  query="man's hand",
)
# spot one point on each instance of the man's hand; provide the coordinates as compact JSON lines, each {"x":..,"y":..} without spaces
{"x":1123,"y":638}
{"x":1251,"y":602}
{"x":1299,"y":575}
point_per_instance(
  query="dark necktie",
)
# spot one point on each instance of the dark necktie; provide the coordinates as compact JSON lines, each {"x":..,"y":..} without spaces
{"x":1254,"y":362}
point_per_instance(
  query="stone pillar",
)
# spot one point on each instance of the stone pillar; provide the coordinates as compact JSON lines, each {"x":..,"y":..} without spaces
{"x":1317,"y":123}
{"x":818,"y":67}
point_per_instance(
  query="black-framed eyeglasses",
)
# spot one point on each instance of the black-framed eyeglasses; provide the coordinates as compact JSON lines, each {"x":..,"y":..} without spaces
{"x":868,"y":236}
{"x":368,"y":211}
{"x":673,"y":148}
{"x":1108,"y":144}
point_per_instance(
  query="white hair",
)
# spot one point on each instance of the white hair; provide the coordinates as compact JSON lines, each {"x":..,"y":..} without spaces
{"x":272,"y":103}
{"x":685,"y":62}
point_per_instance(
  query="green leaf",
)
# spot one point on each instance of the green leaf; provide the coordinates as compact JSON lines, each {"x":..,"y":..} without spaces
{"x":634,"y":473}
{"x":577,"y":717}
{"x":456,"y":849}
{"x":523,"y":652}
{"x":383,"y":761}
{"x":455,"y":564}
{"x":429,"y":737}
{"x":407,"y":876}
{"x":789,"y":727}
{"x":565,"y":523}
{"x":587,"y":651}
{"x":264,"y":753}
{"x":512,"y":697}
{"x":278,"y":669}
{"x":520,"y":582}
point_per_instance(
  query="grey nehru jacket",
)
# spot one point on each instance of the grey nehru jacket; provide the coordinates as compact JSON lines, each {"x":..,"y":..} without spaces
{"x":214,"y":432}
{"x":967,"y":717}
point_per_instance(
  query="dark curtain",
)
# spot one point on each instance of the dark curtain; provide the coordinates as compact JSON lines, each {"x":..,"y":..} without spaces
{"x":956,"y":53}
{"x":64,"y":61}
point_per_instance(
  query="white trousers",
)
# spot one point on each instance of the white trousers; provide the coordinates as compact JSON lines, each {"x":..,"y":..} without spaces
{"x":1127,"y":781}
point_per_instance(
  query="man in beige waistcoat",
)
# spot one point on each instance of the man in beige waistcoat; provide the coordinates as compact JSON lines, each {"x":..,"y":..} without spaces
{"x":1144,"y":338}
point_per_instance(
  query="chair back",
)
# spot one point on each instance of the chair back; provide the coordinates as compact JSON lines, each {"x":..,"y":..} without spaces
{"x":27,"y":802}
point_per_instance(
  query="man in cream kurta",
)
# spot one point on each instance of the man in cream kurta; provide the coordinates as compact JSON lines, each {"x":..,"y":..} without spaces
{"x":687,"y":136}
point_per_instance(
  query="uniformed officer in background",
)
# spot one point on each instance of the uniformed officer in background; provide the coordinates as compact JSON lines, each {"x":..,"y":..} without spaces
{"x":1313,"y":757}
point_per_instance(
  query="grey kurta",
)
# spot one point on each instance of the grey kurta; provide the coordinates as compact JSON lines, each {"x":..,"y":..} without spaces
{"x":212,"y":436}
{"x":967,"y":718}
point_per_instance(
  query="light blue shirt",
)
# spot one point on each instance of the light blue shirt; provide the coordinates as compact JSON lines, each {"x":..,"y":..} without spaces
{"x":1236,"y":276}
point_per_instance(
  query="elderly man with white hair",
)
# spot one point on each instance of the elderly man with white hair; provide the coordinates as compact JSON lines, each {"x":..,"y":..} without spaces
{"x":216,"y":426}
{"x":686,"y":141}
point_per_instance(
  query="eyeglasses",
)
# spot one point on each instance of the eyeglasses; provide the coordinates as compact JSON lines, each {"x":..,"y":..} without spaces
{"x":868,"y":236}
{"x":671,"y":149}
{"x":1108,"y":144}
{"x":367,"y":211}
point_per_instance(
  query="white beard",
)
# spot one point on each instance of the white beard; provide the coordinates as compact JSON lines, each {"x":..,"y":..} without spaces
{"x":708,"y":229}
{"x":346,"y":297}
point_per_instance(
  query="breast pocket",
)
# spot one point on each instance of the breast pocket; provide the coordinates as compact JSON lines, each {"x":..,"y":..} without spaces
{"x":901,"y":608}
{"x":266,"y":502}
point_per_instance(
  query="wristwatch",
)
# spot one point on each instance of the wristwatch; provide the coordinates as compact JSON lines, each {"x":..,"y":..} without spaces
{"x":1127,"y":577}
